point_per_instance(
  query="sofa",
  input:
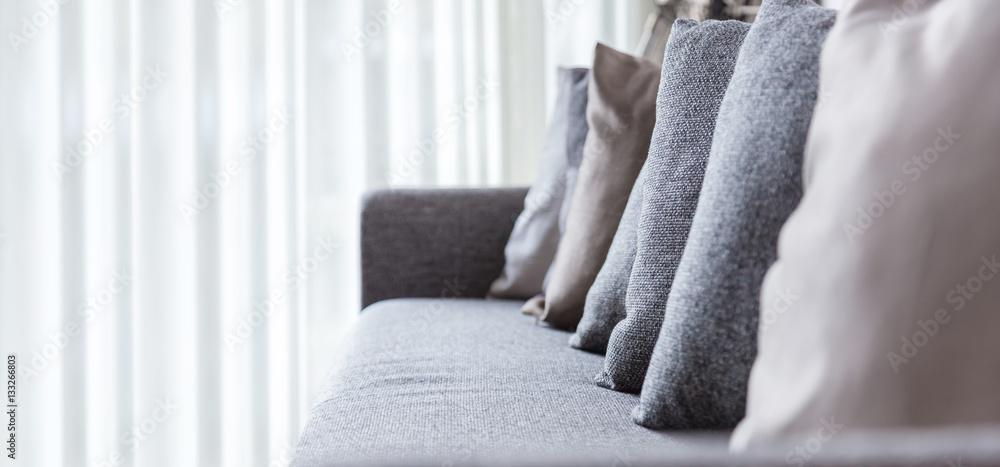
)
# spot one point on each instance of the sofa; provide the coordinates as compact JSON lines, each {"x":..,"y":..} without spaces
{"x":432,"y":373}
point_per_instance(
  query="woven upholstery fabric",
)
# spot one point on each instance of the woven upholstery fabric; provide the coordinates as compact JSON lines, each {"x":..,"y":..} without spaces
{"x":605,"y":304}
{"x":416,"y":243}
{"x":431,"y":382}
{"x":535,"y":236}
{"x":456,"y":380}
{"x":697,"y":377}
{"x":698,"y":64}
{"x":888,"y":271}
{"x":621,"y":111}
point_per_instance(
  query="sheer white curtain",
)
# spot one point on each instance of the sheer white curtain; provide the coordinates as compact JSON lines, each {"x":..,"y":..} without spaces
{"x":180,"y":191}
{"x":153,"y":179}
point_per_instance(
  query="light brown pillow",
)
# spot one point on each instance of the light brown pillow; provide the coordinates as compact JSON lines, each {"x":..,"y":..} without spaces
{"x":621,"y":112}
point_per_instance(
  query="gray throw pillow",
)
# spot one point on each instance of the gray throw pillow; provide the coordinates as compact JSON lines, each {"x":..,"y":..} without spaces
{"x":535,"y":237}
{"x":605,"y":305}
{"x":577,"y":130}
{"x":697,"y":65}
{"x":697,"y":377}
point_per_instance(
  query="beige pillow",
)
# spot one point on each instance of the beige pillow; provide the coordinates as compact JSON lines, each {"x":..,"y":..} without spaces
{"x":883,"y":308}
{"x":621,"y":111}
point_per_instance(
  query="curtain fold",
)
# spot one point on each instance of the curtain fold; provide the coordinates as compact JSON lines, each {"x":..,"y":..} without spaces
{"x":180,"y":186}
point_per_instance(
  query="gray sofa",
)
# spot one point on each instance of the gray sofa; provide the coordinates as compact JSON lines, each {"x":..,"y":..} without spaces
{"x":434,"y":374}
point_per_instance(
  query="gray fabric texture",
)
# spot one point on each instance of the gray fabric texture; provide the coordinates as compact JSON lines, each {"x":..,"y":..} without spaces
{"x":621,"y":111}
{"x":453,"y":379}
{"x":577,"y":125}
{"x":535,"y":236}
{"x":697,"y":376}
{"x":420,"y":243}
{"x":605,"y":305}
{"x":426,"y":382}
{"x":960,"y":447}
{"x":698,"y":64}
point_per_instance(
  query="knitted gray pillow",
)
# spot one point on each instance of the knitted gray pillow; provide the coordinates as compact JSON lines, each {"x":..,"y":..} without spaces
{"x":697,"y":65}
{"x":605,"y":304}
{"x":533,"y":242}
{"x":697,"y":377}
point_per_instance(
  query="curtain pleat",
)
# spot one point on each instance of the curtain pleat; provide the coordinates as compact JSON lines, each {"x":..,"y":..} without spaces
{"x":166,"y":321}
{"x":72,"y":123}
{"x":208,"y":114}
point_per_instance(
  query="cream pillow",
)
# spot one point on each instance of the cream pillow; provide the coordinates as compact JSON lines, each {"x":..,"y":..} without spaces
{"x":883,"y":308}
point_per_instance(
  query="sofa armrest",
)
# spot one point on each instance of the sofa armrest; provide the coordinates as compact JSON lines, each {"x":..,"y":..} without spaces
{"x":436,"y":242}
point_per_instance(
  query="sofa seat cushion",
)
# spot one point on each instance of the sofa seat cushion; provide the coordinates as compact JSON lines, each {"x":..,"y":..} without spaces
{"x":453,"y":380}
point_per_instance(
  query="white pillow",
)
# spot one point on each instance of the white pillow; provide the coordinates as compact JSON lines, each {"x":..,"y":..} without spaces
{"x":883,"y":309}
